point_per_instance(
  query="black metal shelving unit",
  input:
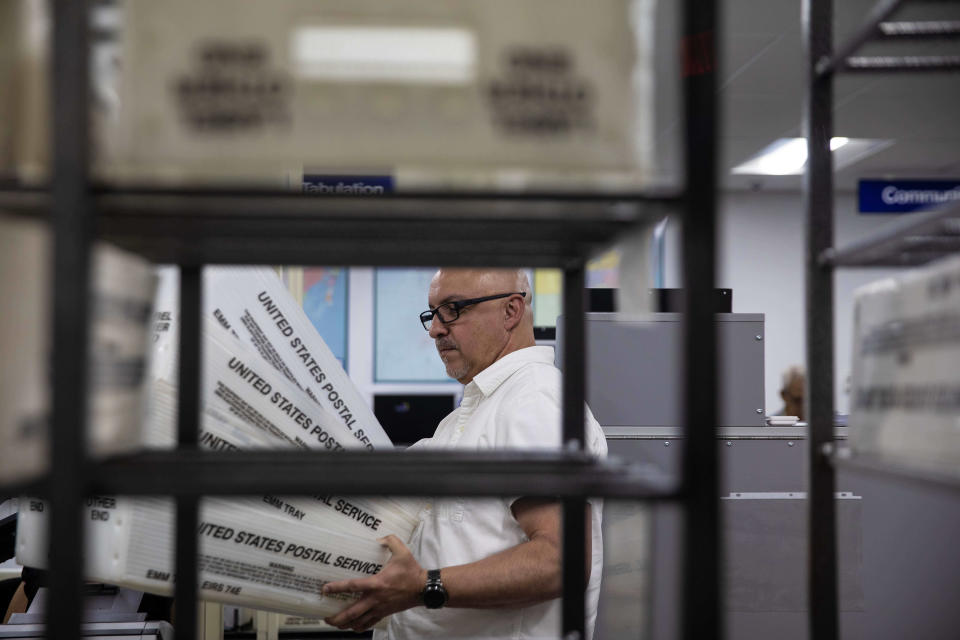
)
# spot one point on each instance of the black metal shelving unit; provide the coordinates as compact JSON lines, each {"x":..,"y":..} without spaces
{"x":196,"y":227}
{"x":905,"y":243}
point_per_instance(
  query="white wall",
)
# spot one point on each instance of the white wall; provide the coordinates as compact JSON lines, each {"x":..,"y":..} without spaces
{"x":761,"y":257}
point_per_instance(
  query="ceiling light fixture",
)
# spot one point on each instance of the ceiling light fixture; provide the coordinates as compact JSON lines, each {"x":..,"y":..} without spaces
{"x":837,"y":142}
{"x":788,"y":156}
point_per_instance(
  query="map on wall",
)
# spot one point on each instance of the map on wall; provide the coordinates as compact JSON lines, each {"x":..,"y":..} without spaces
{"x":403,"y":351}
{"x":325,"y":303}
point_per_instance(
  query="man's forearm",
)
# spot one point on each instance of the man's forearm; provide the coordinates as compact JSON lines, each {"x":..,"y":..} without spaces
{"x":520,"y":576}
{"x":523,"y":575}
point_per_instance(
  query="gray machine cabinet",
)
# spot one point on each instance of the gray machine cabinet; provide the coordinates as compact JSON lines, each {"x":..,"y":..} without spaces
{"x":634,"y":376}
{"x":897,"y":558}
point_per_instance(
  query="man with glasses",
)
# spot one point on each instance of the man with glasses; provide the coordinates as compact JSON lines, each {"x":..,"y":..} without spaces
{"x":483,"y":568}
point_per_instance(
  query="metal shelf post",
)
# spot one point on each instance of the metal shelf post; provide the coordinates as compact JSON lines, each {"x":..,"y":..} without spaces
{"x":72,"y":227}
{"x":574,"y":396}
{"x":702,"y":611}
{"x":818,"y":203}
{"x":188,"y":425}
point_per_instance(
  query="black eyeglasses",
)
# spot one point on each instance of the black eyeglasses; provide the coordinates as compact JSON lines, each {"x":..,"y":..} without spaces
{"x":450,"y":311}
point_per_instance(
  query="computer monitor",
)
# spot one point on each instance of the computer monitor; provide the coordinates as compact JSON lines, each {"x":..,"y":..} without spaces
{"x":409,"y":417}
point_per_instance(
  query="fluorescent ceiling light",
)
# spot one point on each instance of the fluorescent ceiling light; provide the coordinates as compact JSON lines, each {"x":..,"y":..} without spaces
{"x":836,"y":143}
{"x":788,"y":156}
{"x":783,"y":157}
{"x":385,"y":54}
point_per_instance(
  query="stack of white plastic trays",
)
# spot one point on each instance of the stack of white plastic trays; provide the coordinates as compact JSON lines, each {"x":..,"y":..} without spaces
{"x":428,"y":93}
{"x":905,"y":389}
{"x":268,"y":552}
{"x":121,"y":298}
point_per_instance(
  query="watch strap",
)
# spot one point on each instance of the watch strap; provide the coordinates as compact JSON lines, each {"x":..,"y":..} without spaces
{"x":434,"y":594}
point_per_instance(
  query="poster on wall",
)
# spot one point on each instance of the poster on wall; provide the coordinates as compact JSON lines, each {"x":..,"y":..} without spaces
{"x":403,"y":351}
{"x":547,"y":297}
{"x":323,"y":294}
{"x":602,"y":272}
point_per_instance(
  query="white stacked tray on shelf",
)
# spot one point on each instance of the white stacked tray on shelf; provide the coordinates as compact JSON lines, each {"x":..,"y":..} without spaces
{"x":24,"y":103}
{"x":428,"y":91}
{"x":9,"y":30}
{"x":361,"y":96}
{"x":905,"y":404}
{"x":120,"y":302}
{"x":627,"y":586}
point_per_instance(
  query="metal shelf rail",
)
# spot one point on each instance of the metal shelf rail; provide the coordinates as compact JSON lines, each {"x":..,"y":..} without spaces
{"x":906,"y":243}
{"x":916,"y":240}
{"x":217,"y":227}
{"x":233,"y":226}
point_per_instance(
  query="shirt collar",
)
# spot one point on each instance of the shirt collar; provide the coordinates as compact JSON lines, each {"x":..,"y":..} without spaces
{"x":488,"y":380}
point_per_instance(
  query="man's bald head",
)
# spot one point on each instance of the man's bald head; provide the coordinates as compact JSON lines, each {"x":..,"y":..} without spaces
{"x":485,"y":331}
{"x":489,"y":281}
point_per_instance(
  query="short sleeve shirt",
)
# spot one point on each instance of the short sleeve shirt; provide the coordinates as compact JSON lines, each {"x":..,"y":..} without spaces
{"x":513,"y":404}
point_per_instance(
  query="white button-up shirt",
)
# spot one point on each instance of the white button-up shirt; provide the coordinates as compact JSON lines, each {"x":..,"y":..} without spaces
{"x":513,"y":404}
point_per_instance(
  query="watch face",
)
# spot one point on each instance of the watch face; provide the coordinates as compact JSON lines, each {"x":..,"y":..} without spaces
{"x":434,"y":596}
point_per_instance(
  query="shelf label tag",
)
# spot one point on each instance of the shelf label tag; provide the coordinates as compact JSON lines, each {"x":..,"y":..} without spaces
{"x":317,"y":184}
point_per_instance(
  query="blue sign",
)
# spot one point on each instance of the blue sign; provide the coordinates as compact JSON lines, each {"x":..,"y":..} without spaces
{"x":346,"y":185}
{"x":903,"y":196}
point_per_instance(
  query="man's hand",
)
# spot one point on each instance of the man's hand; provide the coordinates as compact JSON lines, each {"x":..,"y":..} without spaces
{"x":396,"y":588}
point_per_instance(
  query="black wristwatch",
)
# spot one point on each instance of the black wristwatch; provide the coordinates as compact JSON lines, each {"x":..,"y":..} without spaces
{"x":434,"y":595}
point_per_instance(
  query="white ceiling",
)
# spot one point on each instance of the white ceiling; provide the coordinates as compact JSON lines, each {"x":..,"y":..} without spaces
{"x":761,"y":83}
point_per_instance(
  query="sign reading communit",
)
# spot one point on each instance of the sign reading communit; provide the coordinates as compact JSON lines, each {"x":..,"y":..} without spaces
{"x":904,"y":196}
